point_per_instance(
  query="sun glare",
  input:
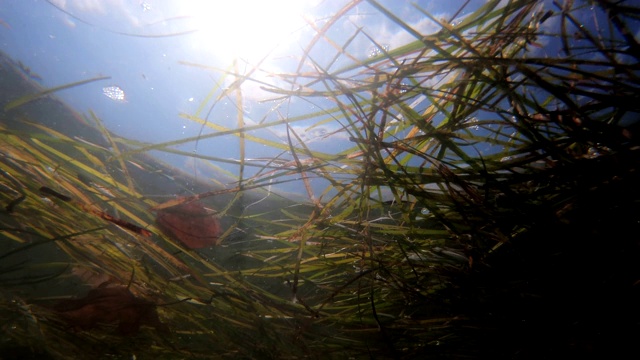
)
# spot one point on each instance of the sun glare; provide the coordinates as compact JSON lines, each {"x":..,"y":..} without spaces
{"x":247,"y":29}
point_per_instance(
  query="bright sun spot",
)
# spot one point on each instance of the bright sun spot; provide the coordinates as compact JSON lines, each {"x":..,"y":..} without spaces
{"x":247,"y":29}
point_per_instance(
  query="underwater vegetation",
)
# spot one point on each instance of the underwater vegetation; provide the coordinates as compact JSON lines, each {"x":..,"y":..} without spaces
{"x":486,"y":205}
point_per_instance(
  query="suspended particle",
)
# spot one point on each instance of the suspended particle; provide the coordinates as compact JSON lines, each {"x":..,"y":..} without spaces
{"x":114,"y":93}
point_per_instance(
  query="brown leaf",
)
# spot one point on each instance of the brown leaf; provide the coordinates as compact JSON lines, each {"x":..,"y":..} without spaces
{"x":191,"y":224}
{"x":110,"y":305}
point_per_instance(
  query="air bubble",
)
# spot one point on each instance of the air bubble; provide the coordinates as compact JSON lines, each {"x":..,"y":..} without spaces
{"x":376,"y":50}
{"x":114,"y":93}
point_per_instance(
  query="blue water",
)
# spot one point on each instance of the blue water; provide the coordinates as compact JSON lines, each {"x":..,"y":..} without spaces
{"x":170,"y":59}
{"x":61,"y":42}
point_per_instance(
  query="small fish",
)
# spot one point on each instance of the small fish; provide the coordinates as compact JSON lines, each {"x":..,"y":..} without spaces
{"x":125,"y":224}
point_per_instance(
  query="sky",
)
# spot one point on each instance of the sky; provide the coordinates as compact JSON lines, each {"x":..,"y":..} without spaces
{"x":160,"y":56}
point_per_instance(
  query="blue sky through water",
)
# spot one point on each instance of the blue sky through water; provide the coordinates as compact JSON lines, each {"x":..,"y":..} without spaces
{"x":64,"y":41}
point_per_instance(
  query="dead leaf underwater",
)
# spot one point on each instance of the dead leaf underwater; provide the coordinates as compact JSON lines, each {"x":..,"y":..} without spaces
{"x":110,"y":305}
{"x":191,"y":224}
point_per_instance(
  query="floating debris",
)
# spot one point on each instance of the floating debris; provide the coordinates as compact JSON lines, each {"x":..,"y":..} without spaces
{"x":114,"y":93}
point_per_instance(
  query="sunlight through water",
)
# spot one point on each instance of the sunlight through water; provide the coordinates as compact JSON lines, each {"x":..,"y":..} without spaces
{"x":246,"y":29}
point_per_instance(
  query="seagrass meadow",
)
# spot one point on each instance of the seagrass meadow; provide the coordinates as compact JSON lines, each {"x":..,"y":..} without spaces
{"x":487,"y":205}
